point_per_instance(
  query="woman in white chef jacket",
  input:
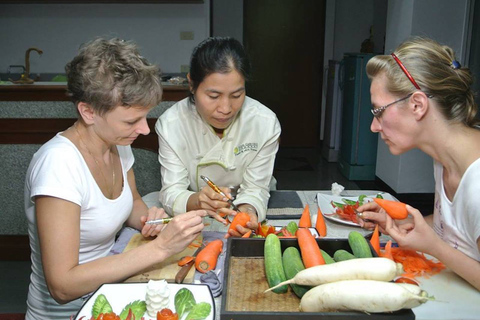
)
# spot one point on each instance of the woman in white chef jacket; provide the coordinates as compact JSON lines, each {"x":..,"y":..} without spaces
{"x":220,"y":133}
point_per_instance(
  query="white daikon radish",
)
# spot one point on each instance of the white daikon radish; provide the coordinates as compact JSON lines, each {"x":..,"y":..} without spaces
{"x":362,"y":295}
{"x":382,"y":269}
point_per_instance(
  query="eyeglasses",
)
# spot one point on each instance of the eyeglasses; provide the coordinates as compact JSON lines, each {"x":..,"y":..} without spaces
{"x":377,"y":112}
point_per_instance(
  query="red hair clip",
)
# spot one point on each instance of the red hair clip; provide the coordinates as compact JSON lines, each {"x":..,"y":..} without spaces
{"x":409,"y":76}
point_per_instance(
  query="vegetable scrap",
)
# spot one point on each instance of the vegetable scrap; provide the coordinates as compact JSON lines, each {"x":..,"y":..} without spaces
{"x":416,"y":264}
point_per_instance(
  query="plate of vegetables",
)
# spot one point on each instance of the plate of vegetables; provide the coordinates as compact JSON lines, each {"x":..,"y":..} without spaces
{"x":343,"y":209}
{"x":126,"y":301}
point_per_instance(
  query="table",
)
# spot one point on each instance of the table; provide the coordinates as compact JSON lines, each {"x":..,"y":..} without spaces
{"x":455,"y":298}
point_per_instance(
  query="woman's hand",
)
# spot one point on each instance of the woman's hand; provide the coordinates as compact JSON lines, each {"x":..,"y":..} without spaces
{"x":150,"y":230}
{"x":370,"y":215}
{"x":251,"y":225}
{"x":214,"y":203}
{"x":181,"y":231}
{"x":416,"y":234}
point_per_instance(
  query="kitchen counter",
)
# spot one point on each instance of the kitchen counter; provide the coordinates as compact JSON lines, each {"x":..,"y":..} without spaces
{"x":56,"y":91}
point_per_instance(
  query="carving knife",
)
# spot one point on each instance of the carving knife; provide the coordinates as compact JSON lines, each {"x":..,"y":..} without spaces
{"x":182,"y":273}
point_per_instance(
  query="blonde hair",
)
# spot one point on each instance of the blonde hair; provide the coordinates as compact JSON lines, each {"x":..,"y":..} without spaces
{"x":432,"y":66}
{"x":111,"y":73}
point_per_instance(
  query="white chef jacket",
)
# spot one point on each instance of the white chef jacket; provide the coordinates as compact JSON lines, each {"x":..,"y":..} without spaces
{"x":243,"y":158}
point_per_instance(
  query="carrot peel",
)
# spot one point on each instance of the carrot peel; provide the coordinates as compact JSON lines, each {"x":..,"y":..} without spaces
{"x":185,"y":260}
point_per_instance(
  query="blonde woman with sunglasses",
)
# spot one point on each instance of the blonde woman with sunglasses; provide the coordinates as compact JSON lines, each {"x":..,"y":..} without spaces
{"x":421,"y":98}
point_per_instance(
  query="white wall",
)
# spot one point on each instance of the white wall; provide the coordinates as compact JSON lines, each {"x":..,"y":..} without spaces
{"x":447,"y":22}
{"x":59,"y":29}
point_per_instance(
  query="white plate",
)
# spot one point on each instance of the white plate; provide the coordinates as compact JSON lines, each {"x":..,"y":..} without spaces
{"x":324,"y":203}
{"x":121,"y":294}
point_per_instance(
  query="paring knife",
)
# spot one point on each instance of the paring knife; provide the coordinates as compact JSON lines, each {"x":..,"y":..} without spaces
{"x":182,"y":273}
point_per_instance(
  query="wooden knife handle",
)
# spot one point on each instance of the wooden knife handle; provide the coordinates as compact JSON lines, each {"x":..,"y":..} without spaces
{"x":182,"y":273}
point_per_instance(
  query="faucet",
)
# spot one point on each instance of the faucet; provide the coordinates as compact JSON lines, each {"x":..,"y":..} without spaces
{"x":24,"y":79}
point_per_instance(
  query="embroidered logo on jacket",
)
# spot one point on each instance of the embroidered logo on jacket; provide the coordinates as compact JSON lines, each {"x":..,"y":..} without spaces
{"x":251,"y":146}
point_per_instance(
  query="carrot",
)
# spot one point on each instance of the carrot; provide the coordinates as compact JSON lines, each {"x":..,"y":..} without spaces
{"x":206,"y":259}
{"x":248,"y":234}
{"x":416,"y":264}
{"x":185,"y":260}
{"x":240,"y":219}
{"x":305,"y":221}
{"x":387,"y":253}
{"x":375,"y":240}
{"x":395,"y":209}
{"x":320,"y":224}
{"x":311,"y":254}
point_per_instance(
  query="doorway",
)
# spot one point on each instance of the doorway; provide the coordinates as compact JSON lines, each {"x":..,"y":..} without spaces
{"x":285,"y":42}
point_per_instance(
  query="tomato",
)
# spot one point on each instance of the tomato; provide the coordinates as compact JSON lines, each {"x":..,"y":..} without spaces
{"x":107,"y":316}
{"x":166,"y":314}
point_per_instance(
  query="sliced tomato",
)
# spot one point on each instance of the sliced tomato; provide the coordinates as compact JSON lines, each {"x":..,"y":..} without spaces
{"x":167,"y":314}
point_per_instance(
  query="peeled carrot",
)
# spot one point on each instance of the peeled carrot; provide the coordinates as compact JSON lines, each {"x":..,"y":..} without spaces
{"x":185,"y":260}
{"x":206,"y":259}
{"x":395,"y":209}
{"x":375,"y":240}
{"x":311,"y":254}
{"x":320,"y":224}
{"x":387,"y":253}
{"x":305,"y":220}
{"x":240,"y":219}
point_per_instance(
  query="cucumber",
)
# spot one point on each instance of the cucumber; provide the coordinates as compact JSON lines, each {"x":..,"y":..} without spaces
{"x":273,"y":263}
{"x":359,"y":245}
{"x":292,"y":227}
{"x":327,"y":257}
{"x":342,"y":255}
{"x":292,"y":264}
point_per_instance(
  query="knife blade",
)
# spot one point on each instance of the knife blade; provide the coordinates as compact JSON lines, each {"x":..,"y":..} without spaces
{"x":182,"y":273}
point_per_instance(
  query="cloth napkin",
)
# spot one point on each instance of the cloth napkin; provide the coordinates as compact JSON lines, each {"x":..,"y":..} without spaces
{"x":210,"y":279}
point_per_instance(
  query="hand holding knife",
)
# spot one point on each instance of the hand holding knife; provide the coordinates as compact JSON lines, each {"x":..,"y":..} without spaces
{"x":217,"y":190}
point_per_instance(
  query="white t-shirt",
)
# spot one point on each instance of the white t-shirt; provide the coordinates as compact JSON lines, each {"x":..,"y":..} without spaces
{"x":59,"y":170}
{"x":458,"y":221}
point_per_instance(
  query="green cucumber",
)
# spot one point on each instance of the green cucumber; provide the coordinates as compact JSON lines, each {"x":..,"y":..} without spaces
{"x":292,"y":264}
{"x":292,"y":227}
{"x":327,"y":257}
{"x":273,"y":263}
{"x":359,"y":245}
{"x":342,"y":255}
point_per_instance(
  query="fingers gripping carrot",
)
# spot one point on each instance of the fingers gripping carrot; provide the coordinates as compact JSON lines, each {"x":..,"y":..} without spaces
{"x":320,"y":225}
{"x":395,"y":209}
{"x":240,"y":219}
{"x":206,"y":259}
{"x":305,"y":220}
{"x":311,"y":254}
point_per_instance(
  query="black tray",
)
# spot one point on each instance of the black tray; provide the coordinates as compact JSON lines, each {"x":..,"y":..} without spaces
{"x":254,"y":247}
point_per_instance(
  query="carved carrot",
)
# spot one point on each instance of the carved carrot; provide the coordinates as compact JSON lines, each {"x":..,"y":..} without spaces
{"x":375,"y":240}
{"x":240,"y":219}
{"x":395,"y":209}
{"x":320,"y":224}
{"x":305,"y":220}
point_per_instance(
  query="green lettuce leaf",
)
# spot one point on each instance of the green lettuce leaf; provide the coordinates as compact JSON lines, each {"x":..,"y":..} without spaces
{"x":199,"y":311}
{"x":184,"y":301}
{"x":138,"y":309}
{"x":101,"y":305}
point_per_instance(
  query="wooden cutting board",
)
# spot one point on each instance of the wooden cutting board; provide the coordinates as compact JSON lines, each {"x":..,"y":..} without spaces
{"x":166,"y":269}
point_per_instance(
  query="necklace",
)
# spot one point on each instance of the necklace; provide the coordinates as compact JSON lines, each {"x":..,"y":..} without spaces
{"x":109,"y":190}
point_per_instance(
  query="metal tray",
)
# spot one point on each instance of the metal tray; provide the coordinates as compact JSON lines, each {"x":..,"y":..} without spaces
{"x":244,"y":283}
